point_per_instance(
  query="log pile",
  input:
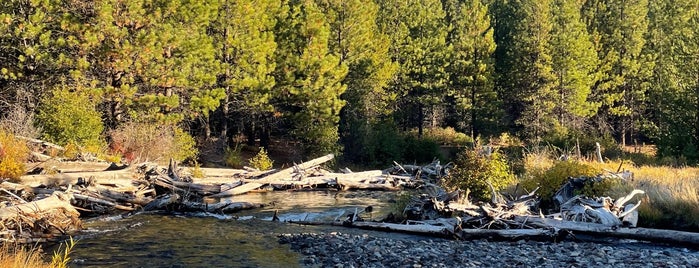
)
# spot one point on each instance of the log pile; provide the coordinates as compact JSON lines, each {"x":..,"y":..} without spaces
{"x":59,"y":198}
{"x":438,"y":213}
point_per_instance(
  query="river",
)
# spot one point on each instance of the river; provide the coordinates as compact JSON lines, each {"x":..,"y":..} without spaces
{"x":197,"y":240}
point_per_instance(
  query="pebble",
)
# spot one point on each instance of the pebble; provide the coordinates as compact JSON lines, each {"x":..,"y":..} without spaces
{"x":347,"y":250}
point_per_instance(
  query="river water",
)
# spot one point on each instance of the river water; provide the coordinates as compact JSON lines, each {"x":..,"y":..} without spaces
{"x":160,"y":240}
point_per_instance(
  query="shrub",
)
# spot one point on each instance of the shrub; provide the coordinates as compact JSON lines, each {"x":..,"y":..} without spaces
{"x":261,"y":161}
{"x":19,"y":121}
{"x":233,"y":156}
{"x":13,"y":154}
{"x":473,"y":171}
{"x":551,"y":179}
{"x":67,"y":116}
{"x":419,"y":150}
{"x":448,"y":136}
{"x":149,"y":142}
{"x":196,"y":171}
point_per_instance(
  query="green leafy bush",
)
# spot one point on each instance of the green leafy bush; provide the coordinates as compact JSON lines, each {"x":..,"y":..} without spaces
{"x":551,"y":179}
{"x":67,"y":116}
{"x":261,"y":161}
{"x":448,"y":136}
{"x":13,"y":154}
{"x":473,"y":171}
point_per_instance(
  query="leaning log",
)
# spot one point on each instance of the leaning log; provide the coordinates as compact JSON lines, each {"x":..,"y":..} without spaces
{"x":284,"y":174}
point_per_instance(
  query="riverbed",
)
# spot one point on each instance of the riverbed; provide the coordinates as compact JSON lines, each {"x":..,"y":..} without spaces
{"x":245,"y":239}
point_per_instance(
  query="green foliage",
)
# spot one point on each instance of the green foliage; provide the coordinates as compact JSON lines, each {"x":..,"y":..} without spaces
{"x":309,"y":78}
{"x":13,"y":155}
{"x":196,"y":171}
{"x":551,"y":179}
{"x":419,"y":150}
{"x":184,"y":146}
{"x":261,"y":160}
{"x":397,"y":208}
{"x":70,"y":116}
{"x":448,"y":136}
{"x":473,"y":171}
{"x":606,"y":186}
{"x":233,"y":157}
{"x":62,"y":259}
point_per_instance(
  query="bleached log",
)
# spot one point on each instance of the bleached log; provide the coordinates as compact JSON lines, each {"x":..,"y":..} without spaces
{"x":422,"y":229}
{"x":117,"y":177}
{"x":43,"y":143}
{"x":57,"y":201}
{"x":221,"y":207}
{"x":284,"y":174}
{"x":350,"y":185}
{"x":652,"y":235}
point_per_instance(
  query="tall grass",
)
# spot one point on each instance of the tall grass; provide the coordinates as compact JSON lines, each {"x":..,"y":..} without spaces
{"x":16,"y":256}
{"x":672,"y":193}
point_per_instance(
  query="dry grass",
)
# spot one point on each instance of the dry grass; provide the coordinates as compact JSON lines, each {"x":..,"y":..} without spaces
{"x":16,"y":256}
{"x":672,"y":193}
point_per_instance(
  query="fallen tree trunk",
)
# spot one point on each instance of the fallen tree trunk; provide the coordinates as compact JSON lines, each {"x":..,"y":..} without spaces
{"x":652,"y":235}
{"x":421,"y":229}
{"x":40,"y":220}
{"x":284,"y":174}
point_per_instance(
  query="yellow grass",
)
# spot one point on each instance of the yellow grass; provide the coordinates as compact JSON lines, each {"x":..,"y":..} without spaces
{"x":15,"y":256}
{"x":672,"y":194}
{"x":21,"y":257}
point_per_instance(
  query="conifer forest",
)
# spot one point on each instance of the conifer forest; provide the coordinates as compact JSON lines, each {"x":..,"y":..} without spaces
{"x":372,"y":80}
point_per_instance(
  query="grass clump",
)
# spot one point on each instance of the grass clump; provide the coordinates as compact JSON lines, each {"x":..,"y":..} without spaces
{"x":149,"y":142}
{"x":473,"y":170}
{"x":261,"y":161}
{"x":234,"y":157}
{"x":22,"y":256}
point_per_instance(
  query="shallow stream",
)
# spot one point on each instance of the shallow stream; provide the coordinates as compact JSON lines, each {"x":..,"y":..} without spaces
{"x":157,"y":240}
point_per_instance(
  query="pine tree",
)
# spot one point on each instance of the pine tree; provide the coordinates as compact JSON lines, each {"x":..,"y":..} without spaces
{"x":575,"y":61}
{"x":525,"y":74}
{"x":673,"y":38}
{"x":244,"y":40}
{"x":418,"y":32}
{"x":472,"y":65}
{"x":154,"y":60}
{"x":356,"y":39}
{"x":619,"y":27}
{"x":309,"y":77}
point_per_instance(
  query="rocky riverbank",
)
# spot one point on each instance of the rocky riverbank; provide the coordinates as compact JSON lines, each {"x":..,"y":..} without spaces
{"x":345,"y":250}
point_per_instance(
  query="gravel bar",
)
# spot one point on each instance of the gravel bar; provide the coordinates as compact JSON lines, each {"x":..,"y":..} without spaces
{"x":351,"y":250}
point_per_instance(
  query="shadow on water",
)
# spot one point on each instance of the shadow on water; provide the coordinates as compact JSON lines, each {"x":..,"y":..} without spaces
{"x":155,"y":240}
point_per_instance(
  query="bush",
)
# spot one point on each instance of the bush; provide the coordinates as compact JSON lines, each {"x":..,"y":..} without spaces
{"x":67,"y":116}
{"x":473,"y":171}
{"x":19,"y":121}
{"x":148,"y":142}
{"x":419,"y":150}
{"x":233,"y":157}
{"x":261,"y":161}
{"x":13,"y":154}
{"x":551,"y":179}
{"x":448,"y":136}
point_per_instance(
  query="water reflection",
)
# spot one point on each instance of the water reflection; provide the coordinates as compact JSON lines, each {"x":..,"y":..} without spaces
{"x":153,"y":240}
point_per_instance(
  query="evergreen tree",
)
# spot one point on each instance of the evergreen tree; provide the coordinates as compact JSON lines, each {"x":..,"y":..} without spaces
{"x":525,"y":74}
{"x":619,"y":27}
{"x":673,"y":37}
{"x":244,"y":40}
{"x":356,"y":39}
{"x":154,"y":60}
{"x":575,"y":61}
{"x":472,"y":66}
{"x":309,"y":77}
{"x":418,"y":32}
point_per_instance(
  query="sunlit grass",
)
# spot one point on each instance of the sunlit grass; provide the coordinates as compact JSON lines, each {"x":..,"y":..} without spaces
{"x":672,"y":194}
{"x":21,"y":256}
